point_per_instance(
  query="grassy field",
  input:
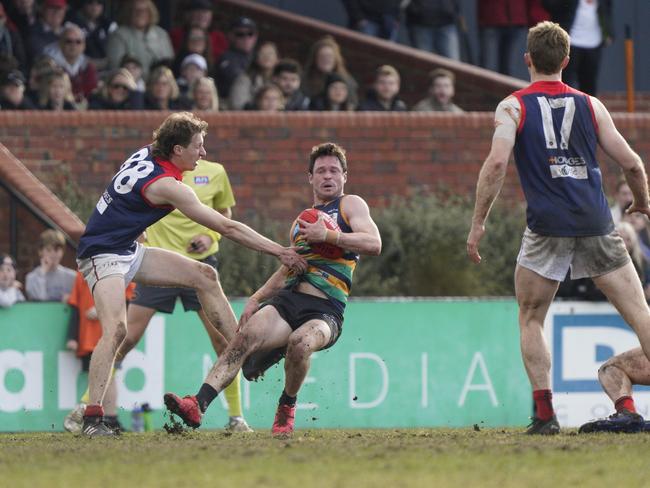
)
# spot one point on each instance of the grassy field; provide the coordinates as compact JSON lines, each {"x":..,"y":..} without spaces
{"x":326,"y":458}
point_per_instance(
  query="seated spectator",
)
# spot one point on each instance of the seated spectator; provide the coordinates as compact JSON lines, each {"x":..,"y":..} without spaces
{"x":135,"y":68}
{"x":193,"y":67}
{"x":47,"y":28}
{"x":432,"y":26}
{"x":50,"y":281}
{"x":9,"y":288}
{"x":268,"y":98}
{"x":139,"y":35}
{"x":12,"y":92}
{"x":324,"y":58}
{"x":335,"y":96}
{"x":68,"y":53}
{"x":11,"y":43}
{"x":239,"y":55}
{"x":204,"y":96}
{"x":287,"y":75}
{"x":92,"y":19}
{"x":195,"y":42}
{"x":373,"y":18}
{"x":55,"y":92}
{"x":162,"y":92}
{"x":383,"y":96}
{"x":257,"y":75}
{"x":42,"y":67}
{"x":640,"y":224}
{"x":118,"y":93}
{"x":441,"y":93}
{"x":622,"y":199}
{"x":198,"y":13}
{"x":641,"y":264}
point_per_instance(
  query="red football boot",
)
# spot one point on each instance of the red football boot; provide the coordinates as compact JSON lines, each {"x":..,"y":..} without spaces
{"x":284,"y":420}
{"x":187,"y":408}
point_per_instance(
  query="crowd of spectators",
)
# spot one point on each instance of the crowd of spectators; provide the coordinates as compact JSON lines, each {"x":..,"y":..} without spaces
{"x":56,"y":57}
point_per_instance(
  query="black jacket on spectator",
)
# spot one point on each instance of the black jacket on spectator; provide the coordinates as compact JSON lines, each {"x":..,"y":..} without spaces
{"x":96,"y":37}
{"x":134,"y":102}
{"x":66,"y":106}
{"x":564,"y":12}
{"x":372,"y":104}
{"x":297,"y":101}
{"x":370,"y":9}
{"x":40,"y":36}
{"x":26,"y":104}
{"x":11,"y":44}
{"x":433,"y":13}
{"x":181,"y":103}
{"x":231,"y":64}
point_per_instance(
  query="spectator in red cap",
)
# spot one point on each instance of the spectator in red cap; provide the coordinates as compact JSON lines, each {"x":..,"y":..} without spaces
{"x":199,"y":13}
{"x":48,"y":27}
{"x":68,"y":54}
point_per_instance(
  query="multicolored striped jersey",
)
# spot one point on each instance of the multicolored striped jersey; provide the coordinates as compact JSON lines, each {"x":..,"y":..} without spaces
{"x":331,"y":276}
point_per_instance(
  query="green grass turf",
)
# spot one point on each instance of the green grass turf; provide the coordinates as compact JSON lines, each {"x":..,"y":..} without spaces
{"x":326,"y":458}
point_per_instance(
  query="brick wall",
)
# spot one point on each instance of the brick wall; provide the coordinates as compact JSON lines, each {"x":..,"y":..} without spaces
{"x":265,"y":154}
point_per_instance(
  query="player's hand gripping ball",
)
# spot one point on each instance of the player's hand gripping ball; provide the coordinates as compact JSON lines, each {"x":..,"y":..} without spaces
{"x":311,"y":215}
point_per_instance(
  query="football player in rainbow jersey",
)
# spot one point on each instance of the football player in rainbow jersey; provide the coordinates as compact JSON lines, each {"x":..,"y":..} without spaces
{"x":554,"y":131}
{"x":147,"y":187}
{"x":297,"y":313}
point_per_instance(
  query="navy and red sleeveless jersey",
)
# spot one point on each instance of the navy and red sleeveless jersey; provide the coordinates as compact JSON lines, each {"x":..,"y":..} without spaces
{"x":555,"y":153}
{"x":123,"y":212}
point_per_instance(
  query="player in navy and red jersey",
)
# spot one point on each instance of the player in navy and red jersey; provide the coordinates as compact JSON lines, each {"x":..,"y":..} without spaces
{"x":147,"y":187}
{"x":554,"y":131}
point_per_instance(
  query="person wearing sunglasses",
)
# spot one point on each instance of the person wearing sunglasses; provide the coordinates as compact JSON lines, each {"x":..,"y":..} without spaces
{"x":118,"y":93}
{"x":237,"y":59}
{"x":69,"y":55}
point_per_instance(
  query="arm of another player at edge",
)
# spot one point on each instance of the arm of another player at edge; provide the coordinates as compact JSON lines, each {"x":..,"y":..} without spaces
{"x":616,"y":147}
{"x":167,"y":191}
{"x":364,"y":238}
{"x":274,"y":284}
{"x":493,"y":172}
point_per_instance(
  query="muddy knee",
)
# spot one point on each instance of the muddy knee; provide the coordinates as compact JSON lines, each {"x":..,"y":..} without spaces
{"x":298,"y":349}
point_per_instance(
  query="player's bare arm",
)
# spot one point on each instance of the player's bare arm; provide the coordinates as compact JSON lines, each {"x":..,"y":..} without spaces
{"x":167,"y":191}
{"x":493,"y":172}
{"x":364,"y":238}
{"x":616,"y":147}
{"x":274,"y":284}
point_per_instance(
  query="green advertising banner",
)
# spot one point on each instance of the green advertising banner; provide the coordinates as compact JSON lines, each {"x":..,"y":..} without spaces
{"x":421,"y":363}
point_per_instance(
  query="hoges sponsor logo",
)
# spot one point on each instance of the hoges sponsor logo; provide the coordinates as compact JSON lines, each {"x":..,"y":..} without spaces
{"x":582,"y":343}
{"x":568,"y":167}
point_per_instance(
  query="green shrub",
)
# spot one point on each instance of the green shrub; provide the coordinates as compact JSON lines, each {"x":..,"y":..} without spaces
{"x":424,"y":250}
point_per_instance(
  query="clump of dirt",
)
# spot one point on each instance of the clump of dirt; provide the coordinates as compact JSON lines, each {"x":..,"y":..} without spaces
{"x":173,"y":426}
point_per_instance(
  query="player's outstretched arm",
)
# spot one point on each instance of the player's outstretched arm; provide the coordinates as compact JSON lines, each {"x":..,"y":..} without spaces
{"x":493,"y":172}
{"x":364,"y":238}
{"x":616,"y":147}
{"x":167,"y":191}
{"x":273,"y":285}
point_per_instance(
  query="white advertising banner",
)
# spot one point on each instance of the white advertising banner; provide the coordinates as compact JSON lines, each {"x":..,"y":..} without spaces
{"x":581,"y":337}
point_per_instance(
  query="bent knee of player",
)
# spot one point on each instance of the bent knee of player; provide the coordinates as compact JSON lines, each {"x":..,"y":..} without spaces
{"x":608,"y":366}
{"x":300,"y":347}
{"x":207,"y":276}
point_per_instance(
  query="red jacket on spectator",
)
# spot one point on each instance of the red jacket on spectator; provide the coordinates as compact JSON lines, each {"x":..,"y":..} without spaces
{"x":502,"y":13}
{"x":536,"y":13}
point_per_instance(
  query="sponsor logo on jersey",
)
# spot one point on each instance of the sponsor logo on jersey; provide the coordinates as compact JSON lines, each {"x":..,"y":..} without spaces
{"x":201,"y":180}
{"x":568,"y":167}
